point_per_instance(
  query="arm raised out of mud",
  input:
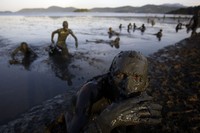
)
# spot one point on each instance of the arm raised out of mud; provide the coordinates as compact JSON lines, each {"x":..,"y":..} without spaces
{"x":134,"y":111}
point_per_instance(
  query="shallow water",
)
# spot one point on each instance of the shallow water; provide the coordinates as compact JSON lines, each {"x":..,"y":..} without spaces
{"x":23,"y":87}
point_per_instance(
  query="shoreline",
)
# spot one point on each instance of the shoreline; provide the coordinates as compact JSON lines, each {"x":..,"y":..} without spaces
{"x":174,"y":83}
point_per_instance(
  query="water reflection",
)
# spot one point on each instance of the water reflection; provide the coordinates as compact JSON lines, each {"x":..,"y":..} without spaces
{"x":26,"y":62}
{"x":60,"y":66}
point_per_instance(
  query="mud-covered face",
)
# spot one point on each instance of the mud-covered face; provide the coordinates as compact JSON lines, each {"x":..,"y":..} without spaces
{"x":24,"y":46}
{"x":129,"y":72}
{"x":65,"y":24}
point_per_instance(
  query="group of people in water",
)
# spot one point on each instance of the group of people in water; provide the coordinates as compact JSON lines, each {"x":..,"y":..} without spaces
{"x":59,"y":49}
{"x":133,"y":27}
{"x":64,"y":32}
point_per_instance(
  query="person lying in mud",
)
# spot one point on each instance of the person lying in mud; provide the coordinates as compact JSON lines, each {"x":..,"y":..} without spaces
{"x":112,"y":43}
{"x":117,"y":98}
{"x":63,"y":33}
{"x":159,"y":34}
{"x":194,"y":23}
{"x":28,"y":55}
{"x":112,"y":32}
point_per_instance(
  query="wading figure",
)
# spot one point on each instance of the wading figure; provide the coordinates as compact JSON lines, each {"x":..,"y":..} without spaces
{"x":120,"y":27}
{"x":28,"y":55}
{"x":62,"y":36}
{"x":115,"y":100}
{"x":194,"y":23}
{"x":129,"y":27}
{"x":179,"y":27}
{"x":159,"y":34}
{"x":142,"y":28}
{"x":134,"y":27}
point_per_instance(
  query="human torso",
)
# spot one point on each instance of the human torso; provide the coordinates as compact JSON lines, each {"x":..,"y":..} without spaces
{"x":62,"y":35}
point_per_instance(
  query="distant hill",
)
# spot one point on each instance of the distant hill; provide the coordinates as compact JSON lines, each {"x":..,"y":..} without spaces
{"x":165,"y":8}
{"x":50,"y":9}
{"x":143,"y":9}
{"x":174,"y":5}
{"x":5,"y":12}
{"x":116,"y":9}
{"x":189,"y":10}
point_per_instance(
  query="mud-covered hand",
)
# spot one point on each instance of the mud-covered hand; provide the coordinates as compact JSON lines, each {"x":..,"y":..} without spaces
{"x":14,"y":61}
{"x":138,"y":110}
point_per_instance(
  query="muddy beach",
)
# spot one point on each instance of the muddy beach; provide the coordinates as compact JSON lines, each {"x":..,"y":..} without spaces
{"x":175,"y":75}
{"x":174,"y":83}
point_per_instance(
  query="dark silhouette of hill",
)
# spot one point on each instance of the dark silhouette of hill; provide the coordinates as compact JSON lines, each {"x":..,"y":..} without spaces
{"x":144,"y":9}
{"x":173,"y":5}
{"x":189,"y":10}
{"x":50,"y":9}
{"x":5,"y":12}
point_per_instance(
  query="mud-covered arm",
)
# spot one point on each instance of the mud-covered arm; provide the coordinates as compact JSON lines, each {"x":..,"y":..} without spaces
{"x":52,"y":35}
{"x":191,"y":20}
{"x":139,"y":110}
{"x":15,"y":52}
{"x":87,"y":95}
{"x":75,"y":38}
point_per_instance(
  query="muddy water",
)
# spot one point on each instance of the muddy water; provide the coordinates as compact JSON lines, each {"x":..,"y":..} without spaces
{"x":22,"y":87}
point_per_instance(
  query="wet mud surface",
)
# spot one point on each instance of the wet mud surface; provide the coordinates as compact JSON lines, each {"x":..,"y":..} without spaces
{"x":174,"y":73}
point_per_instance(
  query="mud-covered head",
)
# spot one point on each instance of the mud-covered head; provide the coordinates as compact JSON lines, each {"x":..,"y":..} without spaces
{"x":128,"y":72}
{"x":65,"y":24}
{"x":24,"y":46}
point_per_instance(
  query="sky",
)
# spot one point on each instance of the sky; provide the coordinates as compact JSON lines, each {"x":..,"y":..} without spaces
{"x":15,"y":5}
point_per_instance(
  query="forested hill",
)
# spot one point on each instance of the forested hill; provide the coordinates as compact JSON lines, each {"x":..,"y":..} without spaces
{"x":143,"y":9}
{"x":189,"y":10}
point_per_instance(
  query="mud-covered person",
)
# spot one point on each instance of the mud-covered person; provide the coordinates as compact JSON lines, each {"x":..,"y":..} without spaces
{"x":112,"y":43}
{"x":119,"y":93}
{"x":159,"y":34}
{"x":194,"y":23}
{"x":28,"y":55}
{"x":63,"y":33}
{"x":111,"y":32}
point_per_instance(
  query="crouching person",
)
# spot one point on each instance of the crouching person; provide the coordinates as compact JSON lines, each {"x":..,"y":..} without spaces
{"x":115,"y":100}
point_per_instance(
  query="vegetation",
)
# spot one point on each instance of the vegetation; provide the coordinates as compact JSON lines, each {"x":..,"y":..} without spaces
{"x":189,"y":10}
{"x":81,"y":10}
